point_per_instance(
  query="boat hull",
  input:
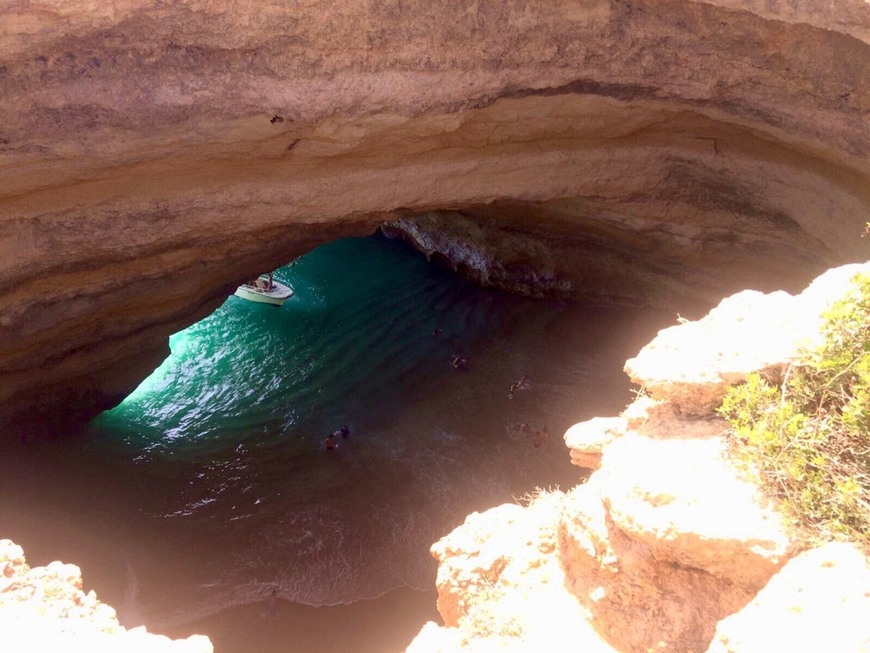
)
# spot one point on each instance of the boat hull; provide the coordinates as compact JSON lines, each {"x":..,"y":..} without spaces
{"x":277,"y":296}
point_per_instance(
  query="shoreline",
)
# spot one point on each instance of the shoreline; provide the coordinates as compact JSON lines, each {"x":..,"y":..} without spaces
{"x":380,"y":625}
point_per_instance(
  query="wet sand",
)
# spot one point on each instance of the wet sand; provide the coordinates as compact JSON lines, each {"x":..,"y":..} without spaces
{"x":386,"y":624}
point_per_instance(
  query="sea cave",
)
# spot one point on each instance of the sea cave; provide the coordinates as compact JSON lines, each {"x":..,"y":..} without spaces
{"x":544,"y":184}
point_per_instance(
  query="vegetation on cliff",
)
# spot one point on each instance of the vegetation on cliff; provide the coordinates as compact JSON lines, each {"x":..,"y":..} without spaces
{"x":809,"y":437}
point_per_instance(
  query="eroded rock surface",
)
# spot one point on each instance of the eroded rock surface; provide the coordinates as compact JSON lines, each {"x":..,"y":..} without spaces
{"x":501,"y":586}
{"x":154,"y":155}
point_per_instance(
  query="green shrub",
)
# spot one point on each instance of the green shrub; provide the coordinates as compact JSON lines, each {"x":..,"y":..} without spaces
{"x":809,"y":438}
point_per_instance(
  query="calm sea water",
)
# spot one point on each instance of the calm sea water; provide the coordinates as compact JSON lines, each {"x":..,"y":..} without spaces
{"x":209,"y":486}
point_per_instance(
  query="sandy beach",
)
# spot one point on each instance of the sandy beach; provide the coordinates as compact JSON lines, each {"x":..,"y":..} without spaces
{"x":382,"y":625}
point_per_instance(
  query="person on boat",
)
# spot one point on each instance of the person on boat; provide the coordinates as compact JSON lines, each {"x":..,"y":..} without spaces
{"x":344,"y":432}
{"x":330,"y":442}
{"x":270,"y":286}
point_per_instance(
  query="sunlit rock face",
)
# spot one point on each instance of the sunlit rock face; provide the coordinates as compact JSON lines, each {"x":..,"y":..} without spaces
{"x":153,"y":155}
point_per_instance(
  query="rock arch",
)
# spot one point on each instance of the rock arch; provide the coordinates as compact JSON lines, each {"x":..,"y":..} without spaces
{"x":646,"y":151}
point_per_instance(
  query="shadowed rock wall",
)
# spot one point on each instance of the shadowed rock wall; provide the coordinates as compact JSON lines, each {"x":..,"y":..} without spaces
{"x":153,"y":155}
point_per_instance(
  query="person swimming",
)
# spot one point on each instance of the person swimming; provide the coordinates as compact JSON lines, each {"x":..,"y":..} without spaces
{"x":520,"y":384}
{"x":271,"y":606}
{"x":344,"y":431}
{"x":330,"y":442}
{"x":436,"y":333}
{"x":541,"y":437}
{"x":523,"y":382}
{"x":460,"y":362}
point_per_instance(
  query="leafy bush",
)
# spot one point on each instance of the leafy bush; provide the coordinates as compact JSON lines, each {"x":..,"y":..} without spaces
{"x":809,"y":438}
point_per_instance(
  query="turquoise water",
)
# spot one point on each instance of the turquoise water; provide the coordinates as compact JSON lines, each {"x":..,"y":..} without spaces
{"x":209,"y":486}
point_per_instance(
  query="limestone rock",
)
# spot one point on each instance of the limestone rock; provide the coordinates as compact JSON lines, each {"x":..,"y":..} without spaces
{"x":12,"y":561}
{"x":45,"y":609}
{"x":819,"y":601}
{"x":644,"y":555}
{"x":501,"y":587}
{"x":433,"y":638}
{"x":656,"y":418}
{"x":473,"y":559}
{"x":586,"y":440}
{"x":687,"y":504}
{"x":691,"y":365}
{"x":664,"y":540}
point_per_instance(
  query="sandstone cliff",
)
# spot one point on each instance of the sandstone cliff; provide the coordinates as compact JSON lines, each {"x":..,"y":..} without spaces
{"x":155,"y":154}
{"x":45,"y":609}
{"x":668,"y":546}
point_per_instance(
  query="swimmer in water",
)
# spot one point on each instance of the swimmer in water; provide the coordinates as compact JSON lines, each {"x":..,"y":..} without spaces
{"x":460,"y":362}
{"x":541,"y":437}
{"x":520,"y":384}
{"x":344,"y":431}
{"x":272,"y":605}
{"x":330,"y":442}
{"x":523,"y":382}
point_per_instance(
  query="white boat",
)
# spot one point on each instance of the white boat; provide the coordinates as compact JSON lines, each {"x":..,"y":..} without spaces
{"x":265,"y":290}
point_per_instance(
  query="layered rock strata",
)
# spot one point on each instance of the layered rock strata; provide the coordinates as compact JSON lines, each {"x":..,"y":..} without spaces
{"x":154,"y":155}
{"x":45,"y":609}
{"x":669,"y":545}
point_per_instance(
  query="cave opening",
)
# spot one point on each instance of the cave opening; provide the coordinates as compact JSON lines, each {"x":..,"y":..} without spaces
{"x":209,"y":488}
